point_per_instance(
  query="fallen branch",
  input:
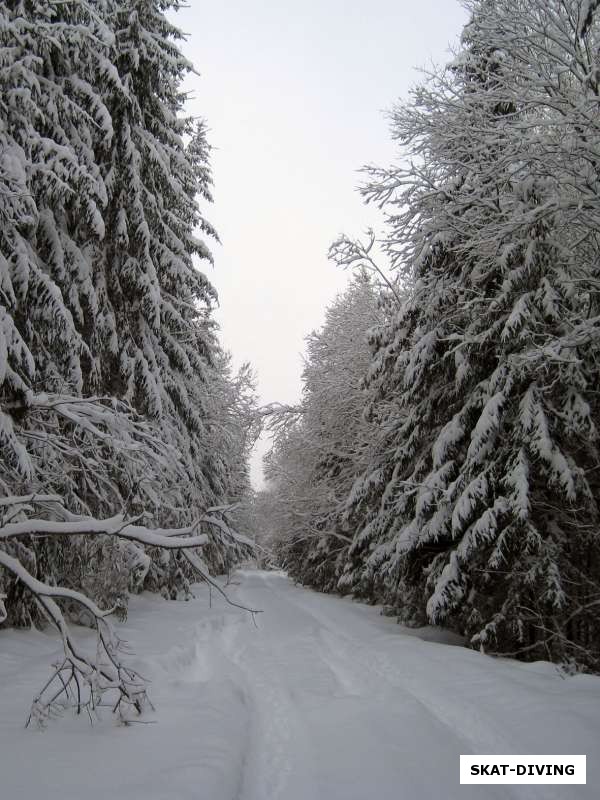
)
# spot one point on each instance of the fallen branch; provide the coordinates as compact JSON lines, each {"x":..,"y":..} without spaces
{"x":79,"y":680}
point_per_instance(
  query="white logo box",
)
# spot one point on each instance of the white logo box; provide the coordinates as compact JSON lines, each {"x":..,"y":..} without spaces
{"x":527,"y":769}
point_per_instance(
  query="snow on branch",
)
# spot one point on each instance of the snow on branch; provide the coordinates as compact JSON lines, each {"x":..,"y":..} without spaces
{"x":280,"y":417}
{"x":19,"y":500}
{"x":81,"y":680}
{"x":87,"y":526}
{"x":228,"y":532}
{"x":280,"y":410}
{"x":358,"y":255}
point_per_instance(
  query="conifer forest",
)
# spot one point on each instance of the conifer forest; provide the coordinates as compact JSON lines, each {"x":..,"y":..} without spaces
{"x":415,"y":575}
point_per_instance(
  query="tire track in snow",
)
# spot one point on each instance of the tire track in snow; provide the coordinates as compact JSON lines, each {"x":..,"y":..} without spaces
{"x":368,"y":662}
{"x":276,"y":738}
{"x":215,"y":700}
{"x":364,"y":673}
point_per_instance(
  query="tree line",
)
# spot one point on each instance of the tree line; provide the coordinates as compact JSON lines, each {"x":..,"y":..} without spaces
{"x":124,"y":433}
{"x":444,"y":458}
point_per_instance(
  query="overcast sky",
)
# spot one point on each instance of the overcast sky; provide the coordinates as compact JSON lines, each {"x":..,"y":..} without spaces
{"x":294,"y":94}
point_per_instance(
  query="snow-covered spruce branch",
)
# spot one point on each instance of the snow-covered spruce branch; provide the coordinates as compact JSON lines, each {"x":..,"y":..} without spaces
{"x":94,"y":435}
{"x":575,"y":653}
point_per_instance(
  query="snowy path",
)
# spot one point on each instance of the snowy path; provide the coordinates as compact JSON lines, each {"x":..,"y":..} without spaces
{"x":323,"y":700}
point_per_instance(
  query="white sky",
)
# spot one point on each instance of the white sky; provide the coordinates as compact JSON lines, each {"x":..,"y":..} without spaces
{"x":294,"y":94}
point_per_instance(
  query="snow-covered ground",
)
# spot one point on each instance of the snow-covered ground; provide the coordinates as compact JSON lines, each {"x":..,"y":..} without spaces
{"x":323,"y":699}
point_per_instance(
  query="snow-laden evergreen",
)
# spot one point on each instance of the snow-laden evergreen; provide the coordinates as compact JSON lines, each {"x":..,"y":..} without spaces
{"x":50,"y":195}
{"x":485,"y":518}
{"x":117,"y":403}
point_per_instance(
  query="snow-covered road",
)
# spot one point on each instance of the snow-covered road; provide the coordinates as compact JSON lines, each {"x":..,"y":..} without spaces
{"x":322,"y":699}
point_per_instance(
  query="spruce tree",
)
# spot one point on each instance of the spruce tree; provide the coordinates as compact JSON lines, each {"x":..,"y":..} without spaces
{"x":50,"y":200}
{"x":100,"y":172}
{"x":484,"y":519}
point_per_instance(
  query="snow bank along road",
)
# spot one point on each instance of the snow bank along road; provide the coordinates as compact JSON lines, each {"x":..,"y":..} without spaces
{"x":324,"y":699}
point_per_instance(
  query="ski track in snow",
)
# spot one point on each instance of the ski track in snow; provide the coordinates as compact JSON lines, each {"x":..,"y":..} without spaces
{"x":321,"y":699}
